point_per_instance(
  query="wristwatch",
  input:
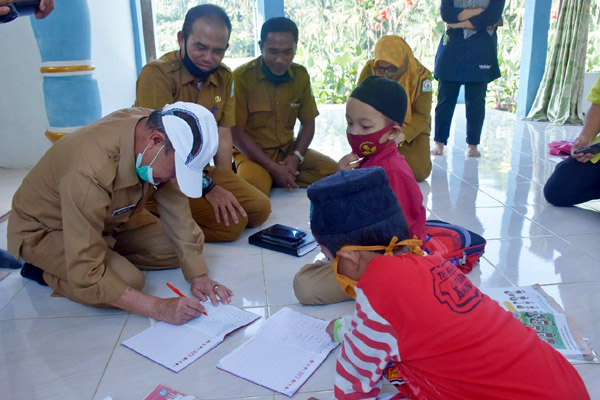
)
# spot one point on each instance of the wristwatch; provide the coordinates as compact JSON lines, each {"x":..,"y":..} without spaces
{"x":207,"y":185}
{"x":300,"y":156}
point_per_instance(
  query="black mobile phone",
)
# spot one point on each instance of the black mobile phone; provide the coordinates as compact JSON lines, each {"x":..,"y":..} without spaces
{"x":19,"y":8}
{"x":284,"y":242}
{"x":593,"y":148}
{"x":284,"y":232}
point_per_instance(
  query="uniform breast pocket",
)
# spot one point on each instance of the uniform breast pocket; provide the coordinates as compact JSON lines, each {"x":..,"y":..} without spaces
{"x":119,"y":214}
{"x":260,"y":114}
{"x":293,"y":110}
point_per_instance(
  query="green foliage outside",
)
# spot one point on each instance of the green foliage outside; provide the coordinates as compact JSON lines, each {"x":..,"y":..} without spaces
{"x":593,"y":50}
{"x":169,"y":16}
{"x":337,"y":38}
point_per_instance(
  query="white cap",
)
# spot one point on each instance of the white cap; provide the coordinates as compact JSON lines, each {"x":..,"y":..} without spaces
{"x":192,"y":130}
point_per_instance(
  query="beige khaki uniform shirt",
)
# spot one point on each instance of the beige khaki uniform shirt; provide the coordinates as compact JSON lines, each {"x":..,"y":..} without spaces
{"x":167,"y":80}
{"x":268,"y":112}
{"x":86,"y":186}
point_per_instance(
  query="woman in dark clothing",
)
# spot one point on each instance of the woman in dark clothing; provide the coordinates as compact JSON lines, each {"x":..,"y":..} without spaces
{"x":467,"y":55}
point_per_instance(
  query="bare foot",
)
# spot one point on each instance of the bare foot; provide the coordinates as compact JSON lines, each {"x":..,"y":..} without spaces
{"x":473,"y":152}
{"x":438,"y":149}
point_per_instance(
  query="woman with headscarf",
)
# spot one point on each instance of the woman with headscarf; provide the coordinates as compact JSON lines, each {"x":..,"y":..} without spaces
{"x":394,"y":60}
{"x":466,"y":55}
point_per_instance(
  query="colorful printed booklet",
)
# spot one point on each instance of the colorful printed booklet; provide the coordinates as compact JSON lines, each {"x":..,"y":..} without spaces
{"x":539,"y":311}
{"x":286,"y":351}
{"x":176,"y":347}
{"x":162,"y":392}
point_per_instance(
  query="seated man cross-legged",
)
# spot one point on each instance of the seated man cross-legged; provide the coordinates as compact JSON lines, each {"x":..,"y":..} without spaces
{"x":271,"y":92}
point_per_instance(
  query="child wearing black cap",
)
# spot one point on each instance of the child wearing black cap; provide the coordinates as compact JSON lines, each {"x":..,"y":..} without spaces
{"x":418,"y":321}
{"x":375,"y":113}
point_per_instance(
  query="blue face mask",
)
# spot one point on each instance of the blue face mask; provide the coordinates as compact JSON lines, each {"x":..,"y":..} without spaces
{"x":145,"y":172}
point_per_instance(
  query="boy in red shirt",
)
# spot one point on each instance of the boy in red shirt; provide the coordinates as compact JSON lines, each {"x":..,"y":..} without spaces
{"x":375,"y":113}
{"x":437,"y":336}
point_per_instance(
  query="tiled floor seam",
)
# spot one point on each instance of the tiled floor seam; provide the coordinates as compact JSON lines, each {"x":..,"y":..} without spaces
{"x":117,"y":343}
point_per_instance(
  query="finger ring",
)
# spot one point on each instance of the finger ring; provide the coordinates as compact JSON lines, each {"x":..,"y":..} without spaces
{"x":215,"y":287}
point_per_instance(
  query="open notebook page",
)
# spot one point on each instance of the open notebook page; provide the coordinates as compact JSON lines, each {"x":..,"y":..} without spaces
{"x":176,"y":347}
{"x":284,"y":353}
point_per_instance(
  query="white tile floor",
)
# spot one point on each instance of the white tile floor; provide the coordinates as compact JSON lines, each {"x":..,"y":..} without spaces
{"x":51,"y":348}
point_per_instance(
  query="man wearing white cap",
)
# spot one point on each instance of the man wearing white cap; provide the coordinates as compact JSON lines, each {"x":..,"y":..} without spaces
{"x":78,"y":221}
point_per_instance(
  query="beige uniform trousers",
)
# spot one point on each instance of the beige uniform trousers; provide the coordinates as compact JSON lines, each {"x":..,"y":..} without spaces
{"x":315,"y":284}
{"x":143,"y":248}
{"x":256,"y":204}
{"x":316,"y":166}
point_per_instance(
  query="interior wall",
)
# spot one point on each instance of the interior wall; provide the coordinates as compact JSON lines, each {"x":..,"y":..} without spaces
{"x":588,"y":81}
{"x":23,"y":114}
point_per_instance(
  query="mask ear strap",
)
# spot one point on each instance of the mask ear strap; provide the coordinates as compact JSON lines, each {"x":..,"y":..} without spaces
{"x":414,"y":244}
{"x":389,"y":250}
{"x":152,"y":162}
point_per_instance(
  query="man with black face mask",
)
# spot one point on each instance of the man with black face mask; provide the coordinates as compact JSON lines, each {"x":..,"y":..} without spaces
{"x":195,"y":73}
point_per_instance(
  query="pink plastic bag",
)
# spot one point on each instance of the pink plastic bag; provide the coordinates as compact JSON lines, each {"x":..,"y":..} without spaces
{"x":561,"y":147}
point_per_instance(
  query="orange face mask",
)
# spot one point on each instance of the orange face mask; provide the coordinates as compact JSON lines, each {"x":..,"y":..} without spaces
{"x":348,"y":284}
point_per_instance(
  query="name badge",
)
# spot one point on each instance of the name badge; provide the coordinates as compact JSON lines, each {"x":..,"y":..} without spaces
{"x":123,"y":210}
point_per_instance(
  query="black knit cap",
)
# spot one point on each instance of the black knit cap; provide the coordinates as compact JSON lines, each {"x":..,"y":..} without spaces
{"x":383,"y":94}
{"x":351,"y":200}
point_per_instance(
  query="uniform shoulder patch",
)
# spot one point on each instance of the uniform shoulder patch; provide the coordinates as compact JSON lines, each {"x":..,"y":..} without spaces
{"x":427,"y":85}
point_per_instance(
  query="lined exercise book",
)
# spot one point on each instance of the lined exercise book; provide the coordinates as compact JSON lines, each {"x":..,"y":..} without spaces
{"x":286,"y":351}
{"x":176,"y":347}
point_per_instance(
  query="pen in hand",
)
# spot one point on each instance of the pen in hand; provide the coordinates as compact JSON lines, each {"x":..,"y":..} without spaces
{"x":178,"y":292}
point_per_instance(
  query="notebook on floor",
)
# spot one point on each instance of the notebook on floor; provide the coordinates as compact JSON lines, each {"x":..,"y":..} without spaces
{"x":188,"y":342}
{"x":286,"y":351}
{"x":284,"y":239}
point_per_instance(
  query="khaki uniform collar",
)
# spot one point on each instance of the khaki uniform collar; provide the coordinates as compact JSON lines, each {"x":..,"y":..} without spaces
{"x":126,"y":174}
{"x":260,"y":75}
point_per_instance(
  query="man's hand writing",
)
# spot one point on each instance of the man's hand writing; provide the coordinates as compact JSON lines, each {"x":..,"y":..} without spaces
{"x":179,"y":310}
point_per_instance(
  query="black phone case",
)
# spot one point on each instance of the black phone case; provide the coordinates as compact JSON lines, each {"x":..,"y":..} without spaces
{"x":272,"y":232}
{"x":593,"y":148}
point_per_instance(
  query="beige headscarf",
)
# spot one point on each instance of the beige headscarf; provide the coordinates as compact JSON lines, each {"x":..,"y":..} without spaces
{"x":394,"y":50}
